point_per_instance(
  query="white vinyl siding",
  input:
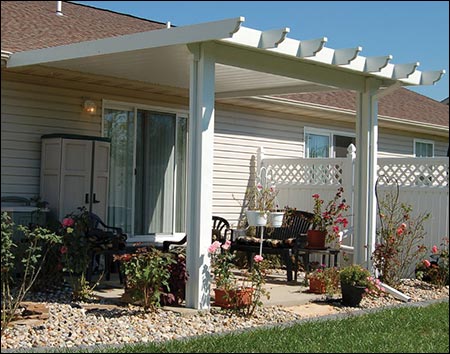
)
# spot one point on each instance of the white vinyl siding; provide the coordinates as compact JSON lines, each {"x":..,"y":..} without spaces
{"x":45,"y":106}
{"x":30,"y":110}
{"x":237,"y":139}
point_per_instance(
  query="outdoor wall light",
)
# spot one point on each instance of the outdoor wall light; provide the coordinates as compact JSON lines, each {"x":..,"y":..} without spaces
{"x":90,"y":107}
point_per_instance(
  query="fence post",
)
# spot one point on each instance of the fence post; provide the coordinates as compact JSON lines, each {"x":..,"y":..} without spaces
{"x":349,"y":177}
{"x":259,"y":159}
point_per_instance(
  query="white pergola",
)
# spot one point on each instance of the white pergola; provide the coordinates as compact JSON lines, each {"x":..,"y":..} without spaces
{"x":221,"y":60}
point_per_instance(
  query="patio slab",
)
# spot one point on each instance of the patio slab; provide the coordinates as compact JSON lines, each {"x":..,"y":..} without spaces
{"x":290,"y":295}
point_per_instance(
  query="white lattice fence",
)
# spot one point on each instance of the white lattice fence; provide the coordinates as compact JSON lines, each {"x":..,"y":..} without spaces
{"x":423,"y":184}
{"x":415,"y":171}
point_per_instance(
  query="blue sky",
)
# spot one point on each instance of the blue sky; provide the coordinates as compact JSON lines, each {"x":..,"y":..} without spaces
{"x":408,"y":30}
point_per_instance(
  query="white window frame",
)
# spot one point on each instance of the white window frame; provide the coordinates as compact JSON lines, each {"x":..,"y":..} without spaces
{"x":325,"y":132}
{"x":423,"y":141}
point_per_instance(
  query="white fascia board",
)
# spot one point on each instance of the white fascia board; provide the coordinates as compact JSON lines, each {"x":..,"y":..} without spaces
{"x":137,"y":41}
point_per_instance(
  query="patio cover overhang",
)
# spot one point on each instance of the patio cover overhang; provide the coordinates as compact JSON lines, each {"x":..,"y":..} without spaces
{"x":223,"y":59}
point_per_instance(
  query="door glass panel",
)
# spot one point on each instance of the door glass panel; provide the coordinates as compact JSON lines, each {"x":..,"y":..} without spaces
{"x":119,"y":127}
{"x":155,"y":161}
{"x":180,"y":181}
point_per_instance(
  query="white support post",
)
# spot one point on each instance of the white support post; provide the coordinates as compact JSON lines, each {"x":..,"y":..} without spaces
{"x":200,"y":177}
{"x":365,"y":173}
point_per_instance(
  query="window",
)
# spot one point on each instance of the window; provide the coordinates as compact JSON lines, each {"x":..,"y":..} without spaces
{"x":148,"y":170}
{"x":317,"y":143}
{"x":423,"y":148}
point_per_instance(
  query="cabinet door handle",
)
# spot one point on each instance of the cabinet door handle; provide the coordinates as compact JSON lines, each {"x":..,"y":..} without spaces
{"x":95,"y":200}
{"x":86,"y":198}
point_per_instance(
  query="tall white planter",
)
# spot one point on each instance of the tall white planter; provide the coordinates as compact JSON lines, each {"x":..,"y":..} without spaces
{"x":256,"y":217}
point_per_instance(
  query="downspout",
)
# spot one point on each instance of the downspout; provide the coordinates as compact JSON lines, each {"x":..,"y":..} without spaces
{"x":395,"y":293}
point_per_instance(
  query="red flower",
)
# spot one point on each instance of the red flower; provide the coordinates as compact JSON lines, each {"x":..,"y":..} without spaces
{"x":64,"y":249}
{"x":67,"y":222}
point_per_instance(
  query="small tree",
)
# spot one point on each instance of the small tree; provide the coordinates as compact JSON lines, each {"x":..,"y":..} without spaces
{"x":37,"y":243}
{"x":399,"y":238}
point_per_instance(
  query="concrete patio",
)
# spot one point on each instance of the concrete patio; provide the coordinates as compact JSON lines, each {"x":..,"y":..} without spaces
{"x":290,"y":295}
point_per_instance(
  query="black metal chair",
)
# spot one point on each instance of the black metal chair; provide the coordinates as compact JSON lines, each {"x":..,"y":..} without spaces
{"x":220,"y":231}
{"x":104,"y":241}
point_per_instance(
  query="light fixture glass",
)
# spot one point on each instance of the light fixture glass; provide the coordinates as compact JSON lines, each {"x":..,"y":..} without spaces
{"x":90,"y":107}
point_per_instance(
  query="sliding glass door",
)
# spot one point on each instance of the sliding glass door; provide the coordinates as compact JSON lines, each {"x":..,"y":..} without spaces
{"x":154,"y":196}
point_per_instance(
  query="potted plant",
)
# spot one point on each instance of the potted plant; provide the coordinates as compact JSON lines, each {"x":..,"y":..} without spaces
{"x":324,"y":280}
{"x":148,"y":277}
{"x":356,"y":281}
{"x":229,"y":293}
{"x":263,"y":206}
{"x":435,"y":270}
{"x":327,"y":223}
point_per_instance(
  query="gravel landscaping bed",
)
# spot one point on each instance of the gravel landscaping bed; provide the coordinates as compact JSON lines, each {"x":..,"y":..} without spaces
{"x":88,"y":324}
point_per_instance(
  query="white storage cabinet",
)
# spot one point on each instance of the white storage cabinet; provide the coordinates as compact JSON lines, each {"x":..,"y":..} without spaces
{"x":75,"y":173}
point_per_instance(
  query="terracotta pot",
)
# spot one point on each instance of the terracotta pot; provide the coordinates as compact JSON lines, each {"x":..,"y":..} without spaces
{"x":316,"y":239}
{"x":233,"y":298}
{"x":317,"y":286}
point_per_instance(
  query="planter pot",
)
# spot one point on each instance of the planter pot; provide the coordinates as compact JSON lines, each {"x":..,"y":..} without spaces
{"x":233,"y":298}
{"x":256,"y":218}
{"x":317,"y":286}
{"x":276,"y":218}
{"x":352,"y":295}
{"x":316,"y":239}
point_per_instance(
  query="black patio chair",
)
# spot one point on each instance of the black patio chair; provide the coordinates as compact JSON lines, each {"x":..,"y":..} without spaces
{"x":104,"y":241}
{"x":220,"y":231}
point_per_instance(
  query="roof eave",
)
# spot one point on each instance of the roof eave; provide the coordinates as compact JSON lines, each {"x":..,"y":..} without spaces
{"x":385,"y":121}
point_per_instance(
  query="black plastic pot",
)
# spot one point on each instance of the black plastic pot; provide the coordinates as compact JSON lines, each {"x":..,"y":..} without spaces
{"x":352,"y":295}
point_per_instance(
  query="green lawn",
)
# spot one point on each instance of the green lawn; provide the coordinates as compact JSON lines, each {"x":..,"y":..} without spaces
{"x":397,"y":330}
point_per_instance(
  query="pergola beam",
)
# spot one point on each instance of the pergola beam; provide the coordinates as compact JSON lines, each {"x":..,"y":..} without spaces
{"x":375,"y":64}
{"x":268,"y":61}
{"x":272,"y":38}
{"x":346,"y":55}
{"x":270,"y":91}
{"x":431,"y":77}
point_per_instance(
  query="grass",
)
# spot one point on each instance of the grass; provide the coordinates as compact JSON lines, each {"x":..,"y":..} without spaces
{"x":396,"y":330}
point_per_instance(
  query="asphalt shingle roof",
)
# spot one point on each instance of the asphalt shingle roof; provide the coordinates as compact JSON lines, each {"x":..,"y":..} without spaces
{"x":401,"y":103}
{"x":30,"y":25}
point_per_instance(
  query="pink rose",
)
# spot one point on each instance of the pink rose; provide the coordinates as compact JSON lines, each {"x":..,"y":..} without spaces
{"x":214,"y":246}
{"x":426,"y":263}
{"x":226,"y":245}
{"x":258,"y":258}
{"x":435,"y":250}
